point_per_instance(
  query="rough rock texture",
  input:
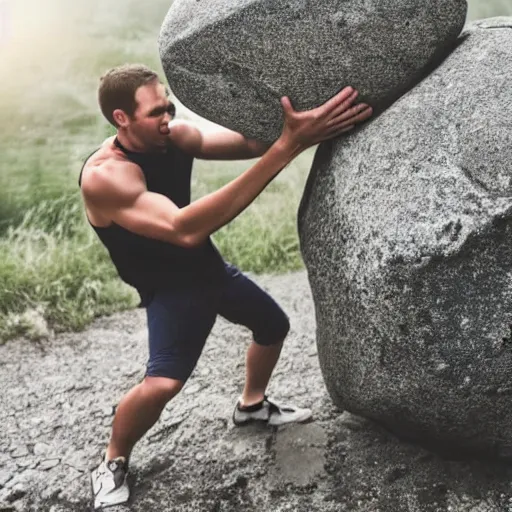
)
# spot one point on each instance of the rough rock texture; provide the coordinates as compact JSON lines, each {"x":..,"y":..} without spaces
{"x":231,"y":61}
{"x":57,"y":403}
{"x":406,"y":230}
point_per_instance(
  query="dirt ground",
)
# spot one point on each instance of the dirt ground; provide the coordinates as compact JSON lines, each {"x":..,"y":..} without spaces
{"x":57,"y":408}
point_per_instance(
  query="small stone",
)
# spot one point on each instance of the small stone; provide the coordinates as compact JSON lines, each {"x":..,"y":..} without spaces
{"x":24,"y":462}
{"x":48,"y":464}
{"x":41,"y":448}
{"x":176,"y":421}
{"x":204,"y":372}
{"x":172,"y":418}
{"x":193,"y":388}
{"x":77,"y":460}
{"x":108,"y":410}
{"x":20,"y":451}
{"x":50,"y":493}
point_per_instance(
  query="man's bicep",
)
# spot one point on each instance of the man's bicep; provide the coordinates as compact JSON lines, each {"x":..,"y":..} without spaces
{"x":151,"y":215}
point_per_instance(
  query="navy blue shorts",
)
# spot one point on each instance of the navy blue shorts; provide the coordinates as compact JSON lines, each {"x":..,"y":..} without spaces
{"x":179,"y":321}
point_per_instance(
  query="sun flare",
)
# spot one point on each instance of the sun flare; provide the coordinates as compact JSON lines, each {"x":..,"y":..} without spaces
{"x":4,"y":21}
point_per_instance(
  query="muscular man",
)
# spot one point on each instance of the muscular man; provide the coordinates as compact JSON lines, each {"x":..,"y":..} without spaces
{"x":136,"y":190}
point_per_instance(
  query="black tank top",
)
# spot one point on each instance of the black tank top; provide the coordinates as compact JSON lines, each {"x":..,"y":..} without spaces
{"x":149,"y":264}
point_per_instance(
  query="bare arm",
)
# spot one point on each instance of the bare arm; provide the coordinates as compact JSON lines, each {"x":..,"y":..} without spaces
{"x":224,"y":144}
{"x":221,"y":144}
{"x":127,"y":202}
{"x":121,"y":195}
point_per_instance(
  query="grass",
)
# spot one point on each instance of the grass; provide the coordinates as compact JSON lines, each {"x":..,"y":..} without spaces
{"x":264,"y":237}
{"x":488,"y":8}
{"x":54,"y":273}
{"x":51,"y":267}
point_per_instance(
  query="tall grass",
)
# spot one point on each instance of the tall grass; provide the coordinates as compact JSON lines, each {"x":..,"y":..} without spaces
{"x":54,"y":273}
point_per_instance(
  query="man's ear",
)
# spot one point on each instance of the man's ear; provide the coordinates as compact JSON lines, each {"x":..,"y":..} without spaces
{"x":120,"y":117}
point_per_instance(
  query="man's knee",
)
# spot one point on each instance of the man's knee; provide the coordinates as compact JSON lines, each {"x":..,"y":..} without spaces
{"x":163,"y":388}
{"x":284,"y":328}
{"x":274,"y":333}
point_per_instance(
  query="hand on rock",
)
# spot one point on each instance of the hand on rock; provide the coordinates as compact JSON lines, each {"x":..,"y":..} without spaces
{"x":336,"y":116}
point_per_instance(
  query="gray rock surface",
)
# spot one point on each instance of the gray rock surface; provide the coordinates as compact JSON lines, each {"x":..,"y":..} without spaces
{"x":194,"y":459}
{"x":406,"y":231}
{"x":231,"y":61}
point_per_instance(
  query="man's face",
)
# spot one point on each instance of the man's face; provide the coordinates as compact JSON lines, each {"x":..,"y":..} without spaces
{"x":153,"y":113}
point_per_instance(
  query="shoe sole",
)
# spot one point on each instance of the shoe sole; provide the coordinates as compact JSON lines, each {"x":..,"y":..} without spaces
{"x":117,"y":499}
{"x":251,"y":421}
{"x":307,"y":415}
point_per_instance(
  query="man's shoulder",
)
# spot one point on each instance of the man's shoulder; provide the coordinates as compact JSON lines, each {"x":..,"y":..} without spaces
{"x":107,"y":162}
{"x":108,"y":175}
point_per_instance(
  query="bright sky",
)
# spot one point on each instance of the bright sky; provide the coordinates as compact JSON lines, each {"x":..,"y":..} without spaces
{"x":40,"y":36}
{"x":5,"y":21}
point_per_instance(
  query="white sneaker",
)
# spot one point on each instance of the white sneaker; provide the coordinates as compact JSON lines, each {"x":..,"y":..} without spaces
{"x":270,"y":412}
{"x":109,"y":485}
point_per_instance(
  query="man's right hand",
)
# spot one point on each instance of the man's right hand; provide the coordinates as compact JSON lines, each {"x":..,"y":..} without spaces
{"x":335,"y":117}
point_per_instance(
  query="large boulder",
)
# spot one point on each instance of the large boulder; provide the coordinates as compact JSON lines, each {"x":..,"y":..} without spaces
{"x":231,"y":61}
{"x":406,"y":231}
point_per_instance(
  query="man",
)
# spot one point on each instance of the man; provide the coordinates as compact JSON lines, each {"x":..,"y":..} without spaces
{"x":136,"y":190}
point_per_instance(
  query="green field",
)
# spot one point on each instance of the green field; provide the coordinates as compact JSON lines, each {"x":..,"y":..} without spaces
{"x":51,"y":265}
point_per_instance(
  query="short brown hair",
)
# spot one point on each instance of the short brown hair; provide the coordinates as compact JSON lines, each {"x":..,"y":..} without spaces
{"x":118,"y":86}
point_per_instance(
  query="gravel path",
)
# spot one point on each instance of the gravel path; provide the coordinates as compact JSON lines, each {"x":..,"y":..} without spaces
{"x":57,"y":408}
